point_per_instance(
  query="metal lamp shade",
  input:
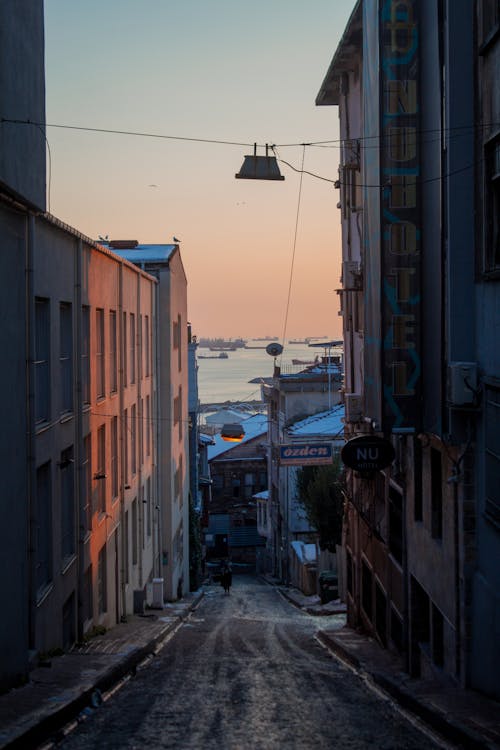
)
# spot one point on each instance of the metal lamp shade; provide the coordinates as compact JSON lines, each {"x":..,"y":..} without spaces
{"x":259,"y":167}
{"x":232,"y":433}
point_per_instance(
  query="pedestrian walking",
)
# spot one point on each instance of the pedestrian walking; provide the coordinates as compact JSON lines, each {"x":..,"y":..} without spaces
{"x":226,"y":578}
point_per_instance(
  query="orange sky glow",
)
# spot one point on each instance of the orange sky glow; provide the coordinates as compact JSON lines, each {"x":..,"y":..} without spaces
{"x":215,"y":71}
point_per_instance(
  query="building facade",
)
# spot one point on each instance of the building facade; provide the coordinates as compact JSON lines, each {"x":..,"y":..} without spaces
{"x":171,"y":415}
{"x":291,"y":396}
{"x":22,"y":197}
{"x":420,"y":540}
{"x":238,"y":471}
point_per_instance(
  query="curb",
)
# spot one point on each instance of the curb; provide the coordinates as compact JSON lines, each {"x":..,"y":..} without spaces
{"x":50,"y":728}
{"x":433,"y":717}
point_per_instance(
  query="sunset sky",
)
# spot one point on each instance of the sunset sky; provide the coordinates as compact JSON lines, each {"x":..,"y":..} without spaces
{"x":214,"y":70}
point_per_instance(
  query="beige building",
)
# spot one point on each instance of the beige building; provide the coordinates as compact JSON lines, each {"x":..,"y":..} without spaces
{"x":171,"y":422}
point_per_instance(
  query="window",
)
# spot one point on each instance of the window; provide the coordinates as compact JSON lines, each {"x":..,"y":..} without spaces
{"x":42,"y":360}
{"x":132,"y":348}
{"x":134,"y":531}
{"x":125,"y":446}
{"x":147,"y":426}
{"x":489,"y":20}
{"x":249,"y":485}
{"x":127,"y":547}
{"x":177,"y":340}
{"x":102,"y":593}
{"x":177,"y":482}
{"x":141,"y":432}
{"x":43,"y":530}
{"x":149,"y":503}
{"x":87,"y":483}
{"x":133,"y":439}
{"x":492,"y":205}
{"x":66,"y":356}
{"x":436,"y":495}
{"x":235,"y":484}
{"x":86,"y":355}
{"x":99,"y":354}
{"x":178,"y":412}
{"x":68,"y":542}
{"x":492,"y":454}
{"x":113,"y":354}
{"x":100,"y":475}
{"x":114,"y":457}
{"x":124,"y":350}
{"x":181,"y":484}
{"x":396,"y":524}
{"x":147,"y":348}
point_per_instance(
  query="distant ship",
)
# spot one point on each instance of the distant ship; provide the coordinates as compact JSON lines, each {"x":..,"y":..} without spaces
{"x":222,"y":355}
{"x":219,"y":344}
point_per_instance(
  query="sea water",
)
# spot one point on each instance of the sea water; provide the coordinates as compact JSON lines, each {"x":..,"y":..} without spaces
{"x":221,"y":380}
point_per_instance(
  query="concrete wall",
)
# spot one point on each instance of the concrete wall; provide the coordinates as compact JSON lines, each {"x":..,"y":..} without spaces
{"x":22,"y":97}
{"x":14,"y":508}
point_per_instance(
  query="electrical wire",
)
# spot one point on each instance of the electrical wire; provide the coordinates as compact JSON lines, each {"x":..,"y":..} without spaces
{"x":294,"y":243}
{"x":145,"y":134}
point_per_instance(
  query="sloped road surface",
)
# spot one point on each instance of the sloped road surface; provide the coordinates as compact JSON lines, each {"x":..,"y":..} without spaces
{"x":245,"y":672}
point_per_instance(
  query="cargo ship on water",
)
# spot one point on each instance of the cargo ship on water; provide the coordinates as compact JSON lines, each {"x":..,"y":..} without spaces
{"x":222,"y":345}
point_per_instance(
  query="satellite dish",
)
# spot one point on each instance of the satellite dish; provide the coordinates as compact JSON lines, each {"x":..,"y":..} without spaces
{"x":274,"y":350}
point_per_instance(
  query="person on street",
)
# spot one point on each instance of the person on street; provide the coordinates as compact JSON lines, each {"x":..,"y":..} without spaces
{"x":226,"y":578}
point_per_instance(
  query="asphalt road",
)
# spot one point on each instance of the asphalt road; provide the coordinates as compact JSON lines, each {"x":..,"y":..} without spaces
{"x":245,"y":672}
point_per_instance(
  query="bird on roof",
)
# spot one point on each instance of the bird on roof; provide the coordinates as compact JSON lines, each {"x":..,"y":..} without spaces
{"x":175,"y":239}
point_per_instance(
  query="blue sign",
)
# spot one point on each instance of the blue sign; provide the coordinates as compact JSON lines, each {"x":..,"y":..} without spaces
{"x":306,"y":454}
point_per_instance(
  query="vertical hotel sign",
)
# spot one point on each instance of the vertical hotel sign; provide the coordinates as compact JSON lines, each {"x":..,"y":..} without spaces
{"x":400,"y":214}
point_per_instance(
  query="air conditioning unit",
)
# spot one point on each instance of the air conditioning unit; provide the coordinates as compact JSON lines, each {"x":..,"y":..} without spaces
{"x":353,"y":407}
{"x":462,"y":383}
{"x":157,"y":593}
{"x":352,"y":277}
{"x":351,"y":150}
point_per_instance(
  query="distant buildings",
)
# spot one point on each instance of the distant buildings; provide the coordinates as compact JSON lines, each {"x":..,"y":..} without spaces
{"x":418,"y":182}
{"x":292,"y":398}
{"x":238,"y":470}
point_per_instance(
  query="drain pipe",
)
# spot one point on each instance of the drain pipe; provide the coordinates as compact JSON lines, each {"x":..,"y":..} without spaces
{"x":30,"y":421}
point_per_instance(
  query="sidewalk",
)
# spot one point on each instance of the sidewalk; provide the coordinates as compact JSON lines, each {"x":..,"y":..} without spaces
{"x":463,"y":717}
{"x":73,"y":685}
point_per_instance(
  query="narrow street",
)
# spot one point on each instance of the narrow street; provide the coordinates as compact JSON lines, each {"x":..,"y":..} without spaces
{"x":245,"y":671}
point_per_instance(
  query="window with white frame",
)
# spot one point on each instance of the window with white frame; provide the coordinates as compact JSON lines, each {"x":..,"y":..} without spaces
{"x":68,"y":514}
{"x":42,"y":360}
{"x":492,"y":206}
{"x":43,"y":529}
{"x":99,"y":354}
{"x":66,"y":356}
{"x":85,"y":355}
{"x":113,"y":354}
{"x":132,"y":347}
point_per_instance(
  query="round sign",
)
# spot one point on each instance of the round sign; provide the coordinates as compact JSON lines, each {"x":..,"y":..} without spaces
{"x":367,"y":453}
